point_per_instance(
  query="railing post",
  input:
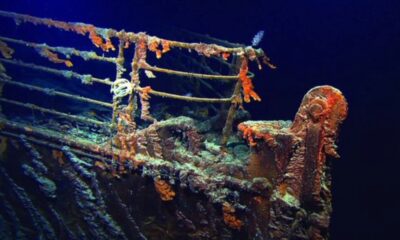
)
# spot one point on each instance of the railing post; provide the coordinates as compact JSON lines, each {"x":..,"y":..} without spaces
{"x":227,"y":130}
{"x":135,"y":77}
{"x":119,"y":71}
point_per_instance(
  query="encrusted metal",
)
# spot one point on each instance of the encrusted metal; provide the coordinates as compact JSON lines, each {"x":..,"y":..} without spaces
{"x":117,"y":171}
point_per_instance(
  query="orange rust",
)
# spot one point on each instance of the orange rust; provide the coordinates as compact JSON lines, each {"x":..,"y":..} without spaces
{"x":107,"y":46}
{"x":225,"y":55}
{"x":282,"y":188}
{"x":82,"y":29}
{"x":145,"y":110}
{"x":98,"y":41}
{"x":140,"y":52}
{"x":247,"y":134}
{"x":247,"y":84}
{"x":145,"y":92}
{"x":251,"y":134}
{"x":230,"y":218}
{"x":125,"y":140}
{"x":153,"y":44}
{"x":164,"y":189}
{"x":53,"y":57}
{"x":54,"y":23}
{"x":321,"y":112}
{"x":78,"y":28}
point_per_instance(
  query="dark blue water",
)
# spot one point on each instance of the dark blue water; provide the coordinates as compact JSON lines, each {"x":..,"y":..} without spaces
{"x":352,"y":45}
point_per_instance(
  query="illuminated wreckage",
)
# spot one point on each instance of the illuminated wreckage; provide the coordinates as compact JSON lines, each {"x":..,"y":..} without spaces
{"x":171,"y":179}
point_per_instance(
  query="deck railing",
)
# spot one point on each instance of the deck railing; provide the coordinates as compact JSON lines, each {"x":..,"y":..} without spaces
{"x":127,"y":89}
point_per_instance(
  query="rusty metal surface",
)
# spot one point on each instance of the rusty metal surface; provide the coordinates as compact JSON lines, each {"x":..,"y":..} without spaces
{"x":281,"y":190}
{"x":125,"y":176}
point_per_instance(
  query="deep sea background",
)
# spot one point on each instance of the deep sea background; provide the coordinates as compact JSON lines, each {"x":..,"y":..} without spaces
{"x":352,"y":45}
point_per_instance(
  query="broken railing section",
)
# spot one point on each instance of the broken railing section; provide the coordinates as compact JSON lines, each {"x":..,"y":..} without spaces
{"x":143,"y":43}
{"x":298,"y":165}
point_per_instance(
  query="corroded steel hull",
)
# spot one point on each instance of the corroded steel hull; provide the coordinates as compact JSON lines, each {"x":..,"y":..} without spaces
{"x":166,"y":182}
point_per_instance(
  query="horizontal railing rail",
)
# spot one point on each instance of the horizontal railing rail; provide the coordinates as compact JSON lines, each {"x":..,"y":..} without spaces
{"x":143,"y":44}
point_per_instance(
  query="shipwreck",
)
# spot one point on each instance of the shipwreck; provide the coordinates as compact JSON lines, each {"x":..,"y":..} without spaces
{"x":84,"y":156}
